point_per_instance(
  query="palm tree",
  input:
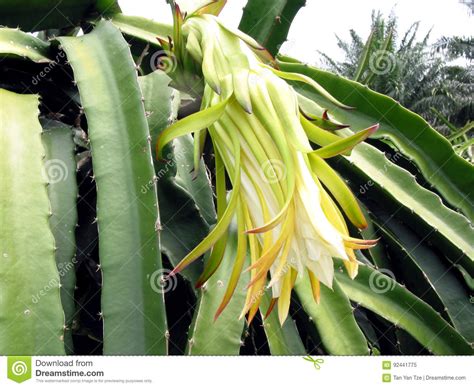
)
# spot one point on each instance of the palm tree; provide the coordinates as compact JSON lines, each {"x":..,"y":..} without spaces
{"x":425,"y":78}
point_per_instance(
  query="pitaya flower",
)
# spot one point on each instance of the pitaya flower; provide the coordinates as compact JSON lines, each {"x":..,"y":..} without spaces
{"x":261,"y":139}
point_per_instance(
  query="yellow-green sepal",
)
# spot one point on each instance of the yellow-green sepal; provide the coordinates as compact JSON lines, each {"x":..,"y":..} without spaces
{"x":345,"y":145}
{"x":338,"y":189}
{"x":309,"y":81}
{"x":193,"y":123}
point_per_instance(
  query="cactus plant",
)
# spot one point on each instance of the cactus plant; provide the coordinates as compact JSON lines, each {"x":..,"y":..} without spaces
{"x":118,"y":130}
{"x":60,"y":169}
{"x":107,"y":98}
{"x":30,"y":300}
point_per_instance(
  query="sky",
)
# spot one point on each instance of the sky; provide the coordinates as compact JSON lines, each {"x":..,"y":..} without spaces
{"x":316,"y":25}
